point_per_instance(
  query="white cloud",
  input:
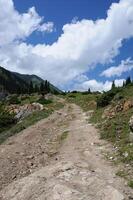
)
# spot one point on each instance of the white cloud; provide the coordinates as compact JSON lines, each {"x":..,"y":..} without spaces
{"x":125,"y":66}
{"x":119,"y":82}
{"x":47,"y":27}
{"x":82,"y":45}
{"x":97,"y":85}
{"x":15,"y":26}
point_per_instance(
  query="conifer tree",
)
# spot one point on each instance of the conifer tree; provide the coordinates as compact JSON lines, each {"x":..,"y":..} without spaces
{"x":113,"y":85}
{"x":31,"y":88}
{"x":36,"y":89}
{"x":89,"y":91}
{"x":128,"y":81}
{"x":42,"y":87}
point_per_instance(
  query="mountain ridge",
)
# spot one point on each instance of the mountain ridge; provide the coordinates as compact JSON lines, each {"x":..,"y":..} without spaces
{"x":12,"y":82}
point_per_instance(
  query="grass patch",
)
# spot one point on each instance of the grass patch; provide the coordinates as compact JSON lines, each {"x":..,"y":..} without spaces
{"x":28,"y":99}
{"x":116,"y":130}
{"x":44,"y":101}
{"x":97,"y":116}
{"x":121,"y":173}
{"x":64,"y":135}
{"x":86,"y":102}
{"x":130,"y":183}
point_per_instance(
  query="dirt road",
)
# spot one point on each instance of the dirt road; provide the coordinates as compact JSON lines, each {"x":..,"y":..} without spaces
{"x":40,"y":164}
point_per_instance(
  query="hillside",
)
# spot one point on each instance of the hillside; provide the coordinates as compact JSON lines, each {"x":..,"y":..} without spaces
{"x":10,"y":82}
{"x":13,"y":82}
{"x":113,"y":121}
{"x":37,"y":80}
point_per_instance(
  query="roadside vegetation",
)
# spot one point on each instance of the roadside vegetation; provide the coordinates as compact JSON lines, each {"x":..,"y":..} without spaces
{"x":6,"y":119}
{"x":113,"y":118}
{"x":86,"y":100}
{"x":10,"y":126}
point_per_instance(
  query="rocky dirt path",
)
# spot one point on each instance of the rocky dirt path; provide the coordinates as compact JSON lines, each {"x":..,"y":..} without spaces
{"x":39,"y":165}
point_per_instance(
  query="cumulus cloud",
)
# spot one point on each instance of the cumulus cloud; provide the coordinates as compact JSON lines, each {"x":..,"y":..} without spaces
{"x":125,"y":66}
{"x":47,"y":27}
{"x":82,"y":45}
{"x":15,"y":26}
{"x":97,"y":85}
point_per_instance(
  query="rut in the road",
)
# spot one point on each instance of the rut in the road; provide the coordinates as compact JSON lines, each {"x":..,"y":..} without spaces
{"x":77,"y":172}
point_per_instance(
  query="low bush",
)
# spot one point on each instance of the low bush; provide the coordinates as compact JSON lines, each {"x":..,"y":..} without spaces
{"x":130,"y":183}
{"x":6,"y":118}
{"x":14,"y":100}
{"x":44,"y":101}
{"x":104,"y":99}
{"x":72,"y":96}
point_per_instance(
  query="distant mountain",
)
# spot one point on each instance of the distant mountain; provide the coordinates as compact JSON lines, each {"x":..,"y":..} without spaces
{"x":36,"y":80}
{"x":13,"y":82}
{"x":10,"y":82}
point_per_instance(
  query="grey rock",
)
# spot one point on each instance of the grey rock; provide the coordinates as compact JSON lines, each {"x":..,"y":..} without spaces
{"x":131,"y":124}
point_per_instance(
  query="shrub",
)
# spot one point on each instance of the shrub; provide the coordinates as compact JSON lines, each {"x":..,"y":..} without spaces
{"x":107,"y":97}
{"x":74,"y":92}
{"x":6,"y":118}
{"x":118,"y":97}
{"x":44,"y":101}
{"x":85,"y":93}
{"x":72,"y":96}
{"x":14,"y":100}
{"x":130,"y":183}
{"x":103,"y":100}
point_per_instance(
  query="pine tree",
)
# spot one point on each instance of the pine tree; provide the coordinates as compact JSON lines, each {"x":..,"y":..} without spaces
{"x":45,"y":85}
{"x":89,"y":91}
{"x":19,"y":90}
{"x":123,"y":84}
{"x":36,"y":89}
{"x":31,"y":88}
{"x":113,"y":85}
{"x":48,"y":87}
{"x":128,"y":81}
{"x":42,"y":87}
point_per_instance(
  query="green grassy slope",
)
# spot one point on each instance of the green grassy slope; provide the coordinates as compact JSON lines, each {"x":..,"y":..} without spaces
{"x":116,"y":129}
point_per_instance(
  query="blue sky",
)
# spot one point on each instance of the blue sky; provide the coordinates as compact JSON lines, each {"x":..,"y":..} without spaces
{"x":62,"y":12}
{"x":75,"y":44}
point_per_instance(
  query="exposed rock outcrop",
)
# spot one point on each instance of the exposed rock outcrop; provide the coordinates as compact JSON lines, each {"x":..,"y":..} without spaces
{"x":131,"y":124}
{"x":111,"y":111}
{"x":23,"y":111}
{"x":131,"y":129}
